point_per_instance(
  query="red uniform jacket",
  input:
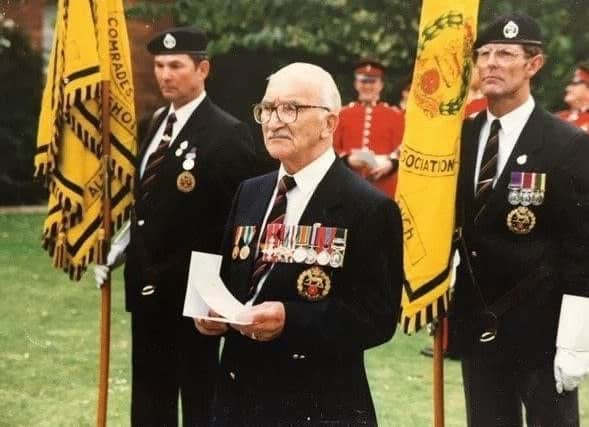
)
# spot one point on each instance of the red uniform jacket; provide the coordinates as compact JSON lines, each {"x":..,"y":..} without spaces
{"x":378,"y":127}
{"x":577,"y":118}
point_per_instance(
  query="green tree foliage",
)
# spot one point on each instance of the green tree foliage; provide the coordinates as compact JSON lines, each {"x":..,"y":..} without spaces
{"x":343,"y":30}
{"x":20,"y":92}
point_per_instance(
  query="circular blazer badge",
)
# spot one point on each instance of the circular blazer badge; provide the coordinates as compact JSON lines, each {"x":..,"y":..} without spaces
{"x":186,"y":182}
{"x":442,"y":67}
{"x":313,"y":284}
{"x":521,"y":220}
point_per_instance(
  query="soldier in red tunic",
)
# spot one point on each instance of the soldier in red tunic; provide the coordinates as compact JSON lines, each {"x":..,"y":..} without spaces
{"x":370,"y":131}
{"x":577,"y":98}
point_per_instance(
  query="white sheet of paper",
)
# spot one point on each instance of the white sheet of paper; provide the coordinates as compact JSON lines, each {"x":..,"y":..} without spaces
{"x":206,"y":291}
{"x":367,"y":156}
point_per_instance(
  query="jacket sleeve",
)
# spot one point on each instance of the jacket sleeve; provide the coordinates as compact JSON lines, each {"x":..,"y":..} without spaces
{"x":572,"y":204}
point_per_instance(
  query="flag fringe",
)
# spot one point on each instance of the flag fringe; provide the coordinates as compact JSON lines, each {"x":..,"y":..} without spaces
{"x":435,"y":309}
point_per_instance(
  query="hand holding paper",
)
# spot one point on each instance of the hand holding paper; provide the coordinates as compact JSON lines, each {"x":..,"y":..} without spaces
{"x":206,"y":291}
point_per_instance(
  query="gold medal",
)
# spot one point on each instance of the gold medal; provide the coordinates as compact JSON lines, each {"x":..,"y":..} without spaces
{"x":244,"y":252}
{"x":186,"y":182}
{"x":313,"y":284}
{"x":236,"y":239}
{"x":521,"y":220}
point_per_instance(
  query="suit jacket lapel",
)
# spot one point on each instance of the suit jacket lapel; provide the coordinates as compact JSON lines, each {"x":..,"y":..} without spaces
{"x":325,"y":198}
{"x":145,"y":142}
{"x":470,"y":145}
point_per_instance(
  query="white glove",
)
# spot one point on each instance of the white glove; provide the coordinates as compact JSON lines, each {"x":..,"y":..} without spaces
{"x":570,"y":368}
{"x":571,"y":363}
{"x":115,"y":256}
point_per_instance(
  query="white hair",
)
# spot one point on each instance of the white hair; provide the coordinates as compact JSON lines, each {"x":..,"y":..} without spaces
{"x":314,"y":78}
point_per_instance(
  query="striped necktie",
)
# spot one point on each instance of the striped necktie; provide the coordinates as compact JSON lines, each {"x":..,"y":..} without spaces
{"x":487,"y":171}
{"x":276,"y":216}
{"x":156,"y":158}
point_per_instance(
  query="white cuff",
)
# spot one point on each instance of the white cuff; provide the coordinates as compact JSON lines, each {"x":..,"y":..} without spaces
{"x":573,"y":324}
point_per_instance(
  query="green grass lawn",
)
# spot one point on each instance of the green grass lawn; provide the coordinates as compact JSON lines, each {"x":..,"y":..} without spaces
{"x":49,"y":342}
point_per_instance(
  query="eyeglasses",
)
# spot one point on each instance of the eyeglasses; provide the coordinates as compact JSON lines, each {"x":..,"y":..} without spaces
{"x":286,"y":113}
{"x":502,"y":56}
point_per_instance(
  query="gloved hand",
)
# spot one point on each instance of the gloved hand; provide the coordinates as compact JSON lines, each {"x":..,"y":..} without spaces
{"x":570,"y":368}
{"x":571,"y":363}
{"x":115,"y":256}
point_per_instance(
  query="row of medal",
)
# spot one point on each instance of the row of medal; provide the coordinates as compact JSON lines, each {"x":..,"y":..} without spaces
{"x":186,"y":181}
{"x":525,"y":189}
{"x":309,"y":244}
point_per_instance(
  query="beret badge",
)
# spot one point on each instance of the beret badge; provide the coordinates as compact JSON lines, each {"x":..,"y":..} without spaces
{"x":169,"y":41}
{"x":510,"y":30}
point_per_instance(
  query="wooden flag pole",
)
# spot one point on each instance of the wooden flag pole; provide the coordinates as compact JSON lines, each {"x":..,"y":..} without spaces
{"x":438,"y":382}
{"x":105,"y":290}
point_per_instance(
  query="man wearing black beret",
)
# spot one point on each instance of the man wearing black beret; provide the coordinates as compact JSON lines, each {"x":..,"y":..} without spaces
{"x":522,"y":290}
{"x":192,"y":158}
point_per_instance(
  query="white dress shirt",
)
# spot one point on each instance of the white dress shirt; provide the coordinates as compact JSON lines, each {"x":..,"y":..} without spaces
{"x":307,"y":180}
{"x":182,"y":115}
{"x":512,"y":125}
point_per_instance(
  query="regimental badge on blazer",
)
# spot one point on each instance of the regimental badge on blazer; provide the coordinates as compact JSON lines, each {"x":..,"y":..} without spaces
{"x":242,"y":238}
{"x":313,"y":284}
{"x":525,"y":189}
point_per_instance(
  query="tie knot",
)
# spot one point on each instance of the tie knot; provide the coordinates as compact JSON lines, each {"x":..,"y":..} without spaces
{"x":172,"y":118}
{"x":495,"y":126}
{"x":286,"y":184}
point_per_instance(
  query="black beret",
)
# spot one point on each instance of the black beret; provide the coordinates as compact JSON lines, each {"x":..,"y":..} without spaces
{"x":513,"y":28}
{"x":189,"y":40}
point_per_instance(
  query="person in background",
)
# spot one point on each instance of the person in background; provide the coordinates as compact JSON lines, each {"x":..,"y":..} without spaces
{"x":321,"y":278}
{"x":577,"y":98}
{"x":370,"y":131}
{"x":522,"y":289}
{"x":192,"y":157}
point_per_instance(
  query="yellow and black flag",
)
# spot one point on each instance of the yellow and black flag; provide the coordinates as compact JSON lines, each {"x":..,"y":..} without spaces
{"x":429,"y":160}
{"x":90,"y":46}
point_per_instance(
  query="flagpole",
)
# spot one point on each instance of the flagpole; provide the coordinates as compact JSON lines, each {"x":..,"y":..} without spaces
{"x":105,"y":290}
{"x":438,"y":381}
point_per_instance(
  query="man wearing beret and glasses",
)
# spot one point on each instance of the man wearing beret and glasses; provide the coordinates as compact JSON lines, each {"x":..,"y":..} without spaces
{"x":522,"y":291}
{"x":192,"y":158}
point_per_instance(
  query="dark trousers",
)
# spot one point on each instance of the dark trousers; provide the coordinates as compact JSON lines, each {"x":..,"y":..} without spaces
{"x":171,"y":359}
{"x":498,"y":380}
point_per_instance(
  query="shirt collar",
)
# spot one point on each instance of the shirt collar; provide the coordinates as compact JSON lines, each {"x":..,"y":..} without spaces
{"x":309,"y":177}
{"x":513,"y":120}
{"x":183,"y":113}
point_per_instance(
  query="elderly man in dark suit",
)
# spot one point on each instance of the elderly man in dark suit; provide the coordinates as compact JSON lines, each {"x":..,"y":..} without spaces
{"x":192,"y":158}
{"x":323,"y":279}
{"x":522,"y":292}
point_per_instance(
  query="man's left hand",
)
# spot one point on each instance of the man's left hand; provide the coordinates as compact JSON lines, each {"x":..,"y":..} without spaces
{"x":570,"y":368}
{"x":267,"y":321}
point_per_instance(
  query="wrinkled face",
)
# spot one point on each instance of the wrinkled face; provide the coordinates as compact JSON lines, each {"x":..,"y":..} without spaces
{"x":298,"y":143}
{"x":577,"y":94}
{"x":368,"y":89}
{"x":504,"y":70}
{"x":179,"y":78}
